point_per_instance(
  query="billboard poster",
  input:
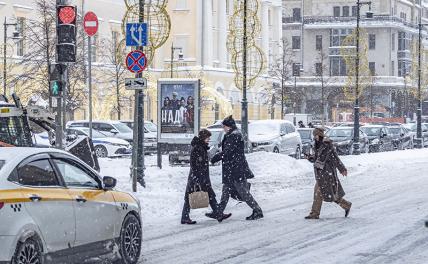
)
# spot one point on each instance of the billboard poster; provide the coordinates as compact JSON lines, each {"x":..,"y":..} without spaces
{"x":178,"y":111}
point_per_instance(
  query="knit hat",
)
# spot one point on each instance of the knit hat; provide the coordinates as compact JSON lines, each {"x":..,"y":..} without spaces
{"x":204,"y":134}
{"x":318,"y":131}
{"x":229,"y":122}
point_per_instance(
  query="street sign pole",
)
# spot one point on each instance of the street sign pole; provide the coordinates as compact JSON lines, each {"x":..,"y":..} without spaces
{"x":90,"y":84}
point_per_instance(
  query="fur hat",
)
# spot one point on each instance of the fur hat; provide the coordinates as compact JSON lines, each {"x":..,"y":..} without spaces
{"x":204,"y":134}
{"x":318,"y":131}
{"x":229,"y":122}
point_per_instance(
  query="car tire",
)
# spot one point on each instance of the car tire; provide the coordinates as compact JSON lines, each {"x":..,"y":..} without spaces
{"x":101,"y":152}
{"x":298,"y":153}
{"x":381,"y":147}
{"x":275,"y":150}
{"x":130,"y":240}
{"x":29,"y":251}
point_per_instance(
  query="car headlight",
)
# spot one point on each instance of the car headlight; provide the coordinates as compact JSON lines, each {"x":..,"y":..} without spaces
{"x":119,"y":145}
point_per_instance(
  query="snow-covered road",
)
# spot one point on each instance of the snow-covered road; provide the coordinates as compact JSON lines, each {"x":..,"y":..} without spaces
{"x":386,"y":225}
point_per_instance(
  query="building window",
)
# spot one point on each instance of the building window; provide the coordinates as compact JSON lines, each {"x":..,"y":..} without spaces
{"x":296,"y":69}
{"x":336,"y":11}
{"x":227,"y":7}
{"x":318,"y":69}
{"x":337,"y":36}
{"x":372,"y":41}
{"x":393,"y":41}
{"x":318,"y":42}
{"x":392,"y":68}
{"x":372,"y":68}
{"x":403,"y":68}
{"x":296,"y":42}
{"x":403,"y":41}
{"x":181,"y":5}
{"x":20,"y":28}
{"x":337,"y":66}
{"x":345,"y":11}
{"x":296,"y":15}
{"x":354,"y":11}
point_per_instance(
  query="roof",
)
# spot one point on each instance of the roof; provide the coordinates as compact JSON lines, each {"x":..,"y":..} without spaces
{"x":12,"y":153}
{"x":342,"y":128}
{"x":271,"y":121}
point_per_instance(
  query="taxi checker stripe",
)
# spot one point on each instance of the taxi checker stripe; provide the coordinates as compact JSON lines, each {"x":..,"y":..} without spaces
{"x":59,"y":194}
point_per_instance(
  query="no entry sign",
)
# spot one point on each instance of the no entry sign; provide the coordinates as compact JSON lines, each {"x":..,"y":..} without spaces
{"x":90,"y":23}
{"x":136,"y":61}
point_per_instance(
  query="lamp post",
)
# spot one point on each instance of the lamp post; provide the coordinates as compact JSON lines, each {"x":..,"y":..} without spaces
{"x":419,"y":138}
{"x":180,"y":57}
{"x":357,"y":76}
{"x":15,"y":36}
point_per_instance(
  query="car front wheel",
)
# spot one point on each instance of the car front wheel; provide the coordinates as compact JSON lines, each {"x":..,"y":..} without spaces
{"x":101,"y":152}
{"x":130,"y":240}
{"x":28,"y":252}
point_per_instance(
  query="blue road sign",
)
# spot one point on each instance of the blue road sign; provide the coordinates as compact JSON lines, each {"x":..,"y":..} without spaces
{"x":136,"y":34}
{"x":136,"y":61}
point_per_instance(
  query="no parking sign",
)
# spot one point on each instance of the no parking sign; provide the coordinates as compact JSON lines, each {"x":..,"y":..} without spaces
{"x":136,"y":61}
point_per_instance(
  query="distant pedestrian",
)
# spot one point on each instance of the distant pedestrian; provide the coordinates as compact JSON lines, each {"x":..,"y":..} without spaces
{"x":301,"y":125}
{"x":235,"y":169}
{"x":327,"y":187}
{"x":199,"y":177}
{"x":310,"y":125}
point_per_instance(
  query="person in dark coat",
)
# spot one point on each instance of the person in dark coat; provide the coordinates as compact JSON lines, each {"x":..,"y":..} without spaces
{"x":235,"y":169}
{"x":327,"y":187}
{"x":301,"y":125}
{"x":199,"y":177}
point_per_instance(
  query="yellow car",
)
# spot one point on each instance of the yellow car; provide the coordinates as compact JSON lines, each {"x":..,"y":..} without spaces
{"x":56,"y":209}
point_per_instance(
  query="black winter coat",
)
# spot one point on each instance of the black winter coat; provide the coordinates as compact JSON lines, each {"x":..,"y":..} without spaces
{"x":234,"y":164}
{"x":326,"y":170}
{"x":199,"y":175}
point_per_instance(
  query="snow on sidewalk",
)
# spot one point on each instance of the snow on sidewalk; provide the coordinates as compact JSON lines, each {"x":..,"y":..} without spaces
{"x":388,"y":191}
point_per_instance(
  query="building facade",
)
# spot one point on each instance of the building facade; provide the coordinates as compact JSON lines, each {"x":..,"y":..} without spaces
{"x":318,"y":30}
{"x":196,"y":48}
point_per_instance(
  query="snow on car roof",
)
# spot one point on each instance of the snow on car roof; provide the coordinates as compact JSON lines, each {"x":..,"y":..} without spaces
{"x":273,"y":121}
{"x":12,"y":153}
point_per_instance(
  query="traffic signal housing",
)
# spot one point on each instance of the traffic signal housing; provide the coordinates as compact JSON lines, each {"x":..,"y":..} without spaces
{"x":66,"y":33}
{"x":56,"y":85}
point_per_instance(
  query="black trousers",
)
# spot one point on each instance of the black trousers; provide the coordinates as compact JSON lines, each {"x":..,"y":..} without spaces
{"x":186,"y":206}
{"x":244,"y":193}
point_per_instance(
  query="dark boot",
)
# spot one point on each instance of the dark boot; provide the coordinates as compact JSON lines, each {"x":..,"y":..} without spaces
{"x":255,"y":215}
{"x":212,"y":215}
{"x":188,"y":222}
{"x":224,"y":217}
{"x":348,"y":210}
{"x":312,"y":216}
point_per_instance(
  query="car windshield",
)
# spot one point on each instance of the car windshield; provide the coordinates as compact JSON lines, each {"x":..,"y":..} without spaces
{"x":263,"y":128}
{"x":340,"y":133}
{"x":214,"y":136}
{"x":305,"y":134}
{"x":371,"y":131}
{"x":395,"y":130}
{"x":95,"y":133}
{"x":151,"y":127}
{"x":122,"y":128}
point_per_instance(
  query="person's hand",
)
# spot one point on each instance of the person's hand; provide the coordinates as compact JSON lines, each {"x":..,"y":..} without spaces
{"x":344,"y":173}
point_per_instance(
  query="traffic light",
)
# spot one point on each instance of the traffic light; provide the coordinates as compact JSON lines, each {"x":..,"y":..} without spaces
{"x":66,"y":33}
{"x":56,"y":85}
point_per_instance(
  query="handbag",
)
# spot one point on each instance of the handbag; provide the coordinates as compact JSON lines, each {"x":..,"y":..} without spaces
{"x":199,"y":199}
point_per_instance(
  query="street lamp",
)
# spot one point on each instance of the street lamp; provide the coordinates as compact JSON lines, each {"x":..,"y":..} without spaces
{"x":369,"y":14}
{"x":180,"y":56}
{"x":419,"y":138}
{"x":15,"y":35}
{"x":296,"y":73}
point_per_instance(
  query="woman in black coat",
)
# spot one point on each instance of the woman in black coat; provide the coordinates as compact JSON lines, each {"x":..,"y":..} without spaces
{"x":199,"y":177}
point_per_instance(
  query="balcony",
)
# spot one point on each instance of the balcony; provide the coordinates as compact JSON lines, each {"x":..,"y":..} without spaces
{"x":289,"y":20}
{"x":377,"y":21}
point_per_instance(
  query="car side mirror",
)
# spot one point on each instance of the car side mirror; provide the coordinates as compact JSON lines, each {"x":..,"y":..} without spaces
{"x":384,"y":135}
{"x":114,"y":131}
{"x":109,"y":183}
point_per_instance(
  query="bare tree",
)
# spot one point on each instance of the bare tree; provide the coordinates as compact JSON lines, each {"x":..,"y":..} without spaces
{"x":281,"y":70}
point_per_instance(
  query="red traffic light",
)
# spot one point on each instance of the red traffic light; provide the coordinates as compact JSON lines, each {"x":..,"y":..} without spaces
{"x":67,"y":14}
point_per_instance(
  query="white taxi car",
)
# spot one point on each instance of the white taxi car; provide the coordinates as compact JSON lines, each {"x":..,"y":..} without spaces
{"x":56,"y":209}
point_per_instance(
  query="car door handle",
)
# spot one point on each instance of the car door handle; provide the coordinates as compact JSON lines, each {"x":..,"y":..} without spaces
{"x":80,"y":199}
{"x":35,"y":198}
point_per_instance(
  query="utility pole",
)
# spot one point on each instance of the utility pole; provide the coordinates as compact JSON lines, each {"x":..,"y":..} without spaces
{"x":419,"y":137}
{"x":244,"y":116}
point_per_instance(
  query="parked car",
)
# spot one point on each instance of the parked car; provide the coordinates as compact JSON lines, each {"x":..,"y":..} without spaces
{"x":53,"y":207}
{"x":277,"y":136}
{"x":308,"y":141}
{"x":380,"y":138}
{"x":150,"y":126}
{"x":401,"y":137}
{"x":104,"y":146}
{"x":219,"y":124}
{"x":343,"y":140}
{"x":109,"y":128}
